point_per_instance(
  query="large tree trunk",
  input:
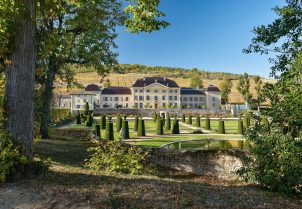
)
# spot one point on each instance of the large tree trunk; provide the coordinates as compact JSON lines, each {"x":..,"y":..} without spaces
{"x":20,"y":81}
{"x":47,"y":97}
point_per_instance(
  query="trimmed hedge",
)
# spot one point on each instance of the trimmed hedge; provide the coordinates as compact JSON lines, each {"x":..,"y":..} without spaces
{"x":159,"y":126}
{"x":190,"y":119}
{"x":125,"y":130}
{"x":183,"y":118}
{"x":168,"y":124}
{"x":119,"y":121}
{"x":141,"y":128}
{"x":97,"y":130}
{"x":89,"y":121}
{"x":57,"y":114}
{"x":175,"y":128}
{"x":103,"y":122}
{"x":109,"y":130}
{"x":197,"y":121}
{"x":221,"y":128}
{"x":135,"y":128}
{"x":208,"y":123}
{"x":78,"y":118}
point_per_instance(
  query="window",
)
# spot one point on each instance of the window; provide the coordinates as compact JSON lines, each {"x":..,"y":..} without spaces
{"x":196,"y":106}
{"x":191,"y":98}
{"x":170,"y":97}
{"x":164,"y":104}
{"x":148,"y":91}
{"x":171,"y":91}
{"x":78,"y":106}
{"x":141,"y":98}
{"x":164,"y":91}
{"x":135,"y":97}
{"x":155,"y":98}
{"x":147,"y":97}
{"x":213,"y":99}
{"x":116,"y":99}
{"x":140,"y":91}
{"x":127,"y":98}
{"x":111,"y":99}
{"x":184,"y":99}
{"x":195,"y":99}
{"x":126,"y":104}
{"x":175,"y":105}
{"x":122,"y":98}
{"x":136,"y":90}
{"x":200,"y":99}
{"x":140,"y":105}
{"x":155,"y":91}
{"x":176,"y":91}
{"x":175,"y":97}
{"x":163,"y":97}
{"x":136,"y":105}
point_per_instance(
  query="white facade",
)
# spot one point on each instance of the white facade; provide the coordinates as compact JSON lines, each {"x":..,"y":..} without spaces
{"x":78,"y":101}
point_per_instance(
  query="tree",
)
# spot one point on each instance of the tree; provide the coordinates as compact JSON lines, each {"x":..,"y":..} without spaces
{"x":18,"y":56}
{"x":244,"y":87}
{"x":196,"y":81}
{"x":258,"y":88}
{"x":225,"y":88}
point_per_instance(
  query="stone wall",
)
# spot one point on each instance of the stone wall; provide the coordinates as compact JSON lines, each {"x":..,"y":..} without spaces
{"x":219,"y":163}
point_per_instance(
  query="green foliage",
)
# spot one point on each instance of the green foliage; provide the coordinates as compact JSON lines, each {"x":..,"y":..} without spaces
{"x":246,"y":121}
{"x":109,"y":131}
{"x":225,"y":88}
{"x":154,"y":116}
{"x":197,"y":121}
{"x":159,"y":126}
{"x":125,"y":128}
{"x":141,"y":128}
{"x":89,"y":121}
{"x":275,"y":160}
{"x":189,"y":119}
{"x":207,"y":123}
{"x":135,"y":128}
{"x":168,"y":124}
{"x":196,"y":80}
{"x":103,"y":122}
{"x":144,"y":16}
{"x":97,"y":130}
{"x":240,"y":129}
{"x":119,"y":121}
{"x":78,"y":118}
{"x":112,"y":156}
{"x":221,"y":128}
{"x":57,"y":114}
{"x":183,"y":118}
{"x":244,"y":87}
{"x":86,"y":108}
{"x":175,"y":127}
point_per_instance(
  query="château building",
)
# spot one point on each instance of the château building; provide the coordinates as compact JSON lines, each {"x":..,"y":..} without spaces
{"x":147,"y":93}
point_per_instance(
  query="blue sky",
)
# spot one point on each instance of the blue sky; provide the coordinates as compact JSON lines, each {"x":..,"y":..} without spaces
{"x":207,"y":34}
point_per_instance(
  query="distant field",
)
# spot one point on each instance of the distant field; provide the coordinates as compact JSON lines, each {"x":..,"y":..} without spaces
{"x":128,"y":79}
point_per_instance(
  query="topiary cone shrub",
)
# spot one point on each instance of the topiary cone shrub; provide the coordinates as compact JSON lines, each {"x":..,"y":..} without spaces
{"x":197,"y":121}
{"x":86,"y":108}
{"x":97,"y":130}
{"x":175,"y":127}
{"x":163,"y":117}
{"x":240,"y":129}
{"x":208,"y":123}
{"x":168,"y":124}
{"x":190,"y":119}
{"x":135,"y":128}
{"x":183,"y":118}
{"x":125,"y":128}
{"x":221,"y":128}
{"x":89,"y":121}
{"x":109,"y":130}
{"x":78,"y":118}
{"x":103,"y":122}
{"x":159,"y":126}
{"x":118,"y":123}
{"x":155,"y":117}
{"x":141,"y":128}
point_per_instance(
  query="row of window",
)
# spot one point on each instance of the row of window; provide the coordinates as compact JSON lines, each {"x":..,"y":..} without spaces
{"x":116,"y":99}
{"x":192,"y":99}
{"x":156,"y":91}
{"x":141,"y":105}
{"x":156,"y":98}
{"x":116,"y":105}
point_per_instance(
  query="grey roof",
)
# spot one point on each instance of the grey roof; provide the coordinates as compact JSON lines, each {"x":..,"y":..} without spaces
{"x":92,"y":87}
{"x":151,"y":80}
{"x":213,"y":88}
{"x":83,"y":93}
{"x":116,"y":90}
{"x":185,"y":91}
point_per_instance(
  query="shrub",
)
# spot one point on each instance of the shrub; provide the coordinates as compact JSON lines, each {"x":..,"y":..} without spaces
{"x":118,"y":123}
{"x":207,"y":123}
{"x":89,"y":121}
{"x":275,"y":160}
{"x":183,"y":118}
{"x":87,"y":108}
{"x":175,"y":128}
{"x":135,"y":128}
{"x":159,"y":126}
{"x":125,"y":130}
{"x":109,"y":130}
{"x":141,"y":128}
{"x":197,"y":121}
{"x":190,"y":119}
{"x":103,"y":122}
{"x":245,"y":122}
{"x":240,"y":127}
{"x":112,"y":156}
{"x":57,"y":114}
{"x":221,"y":128}
{"x":168,"y":124}
{"x":154,"y":117}
{"x":240,"y":144}
{"x":78,"y":118}
{"x":163,"y":117}
{"x":97,"y":130}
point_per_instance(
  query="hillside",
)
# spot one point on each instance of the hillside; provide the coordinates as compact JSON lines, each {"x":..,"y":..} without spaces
{"x":130,"y":73}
